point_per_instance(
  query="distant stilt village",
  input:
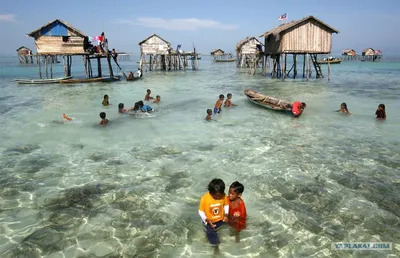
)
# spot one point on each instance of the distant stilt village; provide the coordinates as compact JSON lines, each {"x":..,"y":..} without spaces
{"x":289,"y":50}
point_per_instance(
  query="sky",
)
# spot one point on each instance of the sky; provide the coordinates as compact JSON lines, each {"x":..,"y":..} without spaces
{"x":206,"y":24}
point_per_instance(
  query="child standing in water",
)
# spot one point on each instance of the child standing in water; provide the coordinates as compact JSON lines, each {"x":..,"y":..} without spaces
{"x":380,"y":112}
{"x":213,"y":210}
{"x":103,"y":121}
{"x":105,"y":101}
{"x":218,"y":104}
{"x":121,"y":108}
{"x":228,"y":102}
{"x":209,"y":114}
{"x":343,"y":109}
{"x":148,"y":97}
{"x":237,"y":209}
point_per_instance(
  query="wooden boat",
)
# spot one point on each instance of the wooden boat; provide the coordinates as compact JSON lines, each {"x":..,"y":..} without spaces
{"x":133,"y":78}
{"x":98,"y":79}
{"x":41,"y":81}
{"x":268,"y":102}
{"x":225,"y":60}
{"x":330,"y":61}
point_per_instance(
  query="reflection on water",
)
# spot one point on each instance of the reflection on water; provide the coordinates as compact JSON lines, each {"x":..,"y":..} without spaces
{"x":132,"y":189}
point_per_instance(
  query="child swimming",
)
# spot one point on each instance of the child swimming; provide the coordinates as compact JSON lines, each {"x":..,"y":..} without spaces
{"x":144,"y":108}
{"x":228,"y":102}
{"x":218,"y":104}
{"x":343,"y":108}
{"x":380,"y":112}
{"x":214,"y":210}
{"x":103,"y":121}
{"x":209,"y":114}
{"x":237,"y":209}
{"x":66,"y":117}
{"x":157,"y":100}
{"x":105,"y":101}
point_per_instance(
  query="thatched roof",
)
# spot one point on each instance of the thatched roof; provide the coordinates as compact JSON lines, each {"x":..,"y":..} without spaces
{"x":33,"y":33}
{"x":18,"y":49}
{"x":286,"y":26}
{"x":154,"y":35}
{"x":348,"y":50}
{"x":217,"y":50}
{"x":244,"y":41}
{"x":367,"y":49}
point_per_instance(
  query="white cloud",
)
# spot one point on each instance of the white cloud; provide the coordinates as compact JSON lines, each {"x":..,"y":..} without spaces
{"x":7,"y":17}
{"x":178,"y":24}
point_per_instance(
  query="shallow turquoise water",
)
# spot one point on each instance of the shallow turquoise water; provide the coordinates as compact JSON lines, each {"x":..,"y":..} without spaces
{"x":132,"y":189}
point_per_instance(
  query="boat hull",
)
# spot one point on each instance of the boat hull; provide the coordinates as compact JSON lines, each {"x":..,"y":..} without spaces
{"x":41,"y":81}
{"x":101,"y":79}
{"x":133,"y":79}
{"x":330,"y":62}
{"x":268,"y":102}
{"x":225,"y":60}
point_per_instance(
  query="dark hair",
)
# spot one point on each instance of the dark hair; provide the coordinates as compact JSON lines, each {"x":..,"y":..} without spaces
{"x":158,"y":96}
{"x":221,"y":96}
{"x":344,"y":104}
{"x":140,"y":103}
{"x":103,"y":115}
{"x":229,"y":94}
{"x":382,"y":106}
{"x":136,"y":107}
{"x":216,"y":186}
{"x":120,"y":106}
{"x":106,"y":96}
{"x":148,"y":90}
{"x":209,"y":110}
{"x":303,"y":104}
{"x":237,"y":187}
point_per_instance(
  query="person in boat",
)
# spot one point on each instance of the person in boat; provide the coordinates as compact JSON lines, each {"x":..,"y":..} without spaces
{"x":209,"y":114}
{"x":297,"y":108}
{"x":380,"y":112}
{"x":130,"y":76}
{"x":144,"y":108}
{"x":228,"y":101}
{"x":218,"y":104}
{"x":157,"y":100}
{"x":104,"y":120}
{"x":148,"y":97}
{"x":114,"y":53}
{"x":139,"y":73}
{"x":343,"y":109}
{"x":105,"y":101}
{"x":237,"y":209}
{"x":121,"y":108}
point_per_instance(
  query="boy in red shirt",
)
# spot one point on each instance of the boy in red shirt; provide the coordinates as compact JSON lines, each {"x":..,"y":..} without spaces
{"x":237,"y":209}
{"x":297,"y":108}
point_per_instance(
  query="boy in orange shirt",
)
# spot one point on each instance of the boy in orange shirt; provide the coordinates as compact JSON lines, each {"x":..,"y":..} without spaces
{"x":214,"y":209}
{"x":218,"y":104}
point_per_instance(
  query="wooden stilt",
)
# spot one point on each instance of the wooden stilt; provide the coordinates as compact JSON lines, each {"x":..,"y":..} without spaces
{"x":45,"y":65}
{"x":329,"y":71}
{"x":65,"y":67}
{"x":39,"y":66}
{"x":294,"y":66}
{"x":304,"y":65}
{"x":51,"y":70}
{"x":308,"y":67}
{"x":99,"y":67}
{"x":84,"y":60}
{"x":109,"y":65}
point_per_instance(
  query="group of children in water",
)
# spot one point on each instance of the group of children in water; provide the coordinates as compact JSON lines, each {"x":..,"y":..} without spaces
{"x":138,"y":107}
{"x":218,"y":105}
{"x":380,"y":112}
{"x":217,"y":209}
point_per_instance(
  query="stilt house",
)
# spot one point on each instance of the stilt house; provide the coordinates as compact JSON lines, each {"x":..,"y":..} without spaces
{"x":60,"y":38}
{"x":157,"y":54}
{"x":248,"y":53}
{"x":308,"y":37}
{"x":25,"y":55}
